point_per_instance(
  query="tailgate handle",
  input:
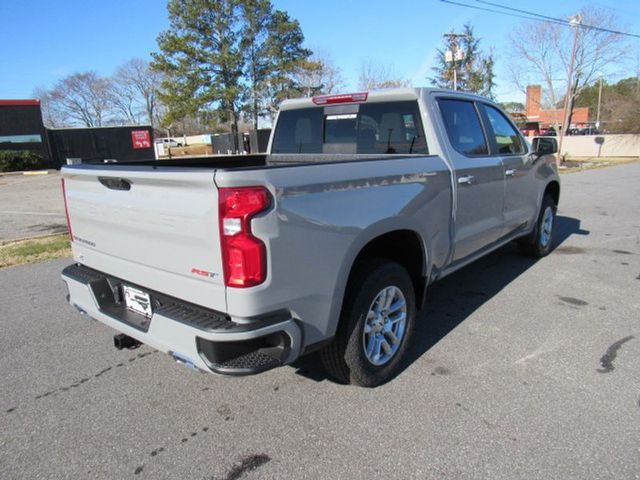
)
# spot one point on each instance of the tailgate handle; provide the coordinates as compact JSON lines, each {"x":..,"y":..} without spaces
{"x":115,"y":183}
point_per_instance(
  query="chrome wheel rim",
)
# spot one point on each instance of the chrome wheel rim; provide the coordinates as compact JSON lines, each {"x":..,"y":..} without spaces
{"x":384,"y":326}
{"x":546,"y":227}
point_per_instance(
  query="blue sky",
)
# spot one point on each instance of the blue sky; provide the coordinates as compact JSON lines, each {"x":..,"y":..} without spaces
{"x":42,"y":41}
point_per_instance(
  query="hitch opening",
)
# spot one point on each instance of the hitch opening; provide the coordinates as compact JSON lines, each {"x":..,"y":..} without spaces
{"x":122,"y":341}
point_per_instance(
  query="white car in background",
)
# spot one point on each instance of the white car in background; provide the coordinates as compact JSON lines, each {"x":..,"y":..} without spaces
{"x":168,"y":142}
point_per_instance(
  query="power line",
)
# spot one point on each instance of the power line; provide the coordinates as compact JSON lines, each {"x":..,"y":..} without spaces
{"x":533,"y":16}
{"x":494,"y":11}
{"x":591,"y":27}
{"x":523,"y":11}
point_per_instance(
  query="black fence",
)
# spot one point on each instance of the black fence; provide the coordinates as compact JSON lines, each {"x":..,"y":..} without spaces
{"x":101,"y":144}
{"x":259,"y":140}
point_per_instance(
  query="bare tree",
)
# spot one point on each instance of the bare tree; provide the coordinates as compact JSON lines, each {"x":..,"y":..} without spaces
{"x":51,"y":116}
{"x":319,"y":75}
{"x":80,"y":99}
{"x":376,"y":76}
{"x":541,"y":52}
{"x":134,"y":91}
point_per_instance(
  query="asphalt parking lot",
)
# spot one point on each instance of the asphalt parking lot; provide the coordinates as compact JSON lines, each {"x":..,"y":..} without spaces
{"x":520,"y":370}
{"x":30,"y":206}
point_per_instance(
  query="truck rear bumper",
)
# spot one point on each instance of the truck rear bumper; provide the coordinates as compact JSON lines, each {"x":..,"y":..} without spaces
{"x":193,"y":335}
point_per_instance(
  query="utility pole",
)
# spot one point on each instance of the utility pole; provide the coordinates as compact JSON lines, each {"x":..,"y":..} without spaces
{"x":453,"y":55}
{"x":599,"y":101}
{"x":575,"y":22}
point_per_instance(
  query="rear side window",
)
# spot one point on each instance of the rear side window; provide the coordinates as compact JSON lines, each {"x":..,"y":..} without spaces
{"x":388,"y":128}
{"x":463,"y":127}
{"x":508,"y":141}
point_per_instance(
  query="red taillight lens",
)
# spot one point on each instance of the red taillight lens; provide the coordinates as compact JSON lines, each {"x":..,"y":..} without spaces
{"x":344,"y":98}
{"x":243,"y":255}
{"x":66,"y":210}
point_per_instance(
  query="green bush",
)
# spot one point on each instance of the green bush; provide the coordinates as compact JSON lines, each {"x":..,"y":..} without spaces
{"x":12,"y":161}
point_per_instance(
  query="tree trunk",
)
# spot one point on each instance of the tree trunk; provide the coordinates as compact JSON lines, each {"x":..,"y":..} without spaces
{"x":255,"y":110}
{"x":571,"y":103}
{"x":234,"y":130}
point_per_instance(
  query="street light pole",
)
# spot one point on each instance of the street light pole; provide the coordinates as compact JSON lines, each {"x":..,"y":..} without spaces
{"x":575,"y":22}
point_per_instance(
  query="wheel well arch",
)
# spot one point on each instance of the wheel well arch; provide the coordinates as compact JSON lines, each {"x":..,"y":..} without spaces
{"x":404,"y":247}
{"x":553,"y":190}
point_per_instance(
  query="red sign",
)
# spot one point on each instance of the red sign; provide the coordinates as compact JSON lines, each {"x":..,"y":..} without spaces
{"x":140,"y":139}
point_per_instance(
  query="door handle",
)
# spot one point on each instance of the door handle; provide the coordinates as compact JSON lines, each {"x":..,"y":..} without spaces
{"x":467,"y":179}
{"x":511,"y":172}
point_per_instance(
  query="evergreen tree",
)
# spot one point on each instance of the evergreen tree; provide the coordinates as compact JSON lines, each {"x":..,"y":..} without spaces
{"x":255,"y":46}
{"x":200,"y":55}
{"x":287,"y":55}
{"x":474,"y":69}
{"x":229,"y":57}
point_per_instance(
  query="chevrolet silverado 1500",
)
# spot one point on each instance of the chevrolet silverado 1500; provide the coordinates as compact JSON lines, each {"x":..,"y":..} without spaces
{"x":238,"y":264}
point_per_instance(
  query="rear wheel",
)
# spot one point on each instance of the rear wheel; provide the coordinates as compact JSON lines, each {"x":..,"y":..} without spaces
{"x":538,"y":243}
{"x":375,"y":326}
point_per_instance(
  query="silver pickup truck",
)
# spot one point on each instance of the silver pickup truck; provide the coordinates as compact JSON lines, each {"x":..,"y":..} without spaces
{"x":238,"y":264}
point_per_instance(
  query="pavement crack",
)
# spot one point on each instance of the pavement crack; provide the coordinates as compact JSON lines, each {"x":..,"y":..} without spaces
{"x":157,"y":451}
{"x":610,"y":355}
{"x":82,"y":381}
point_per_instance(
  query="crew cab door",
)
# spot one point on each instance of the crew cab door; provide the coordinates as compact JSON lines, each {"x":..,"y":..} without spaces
{"x":478,"y":177}
{"x":520,"y":196}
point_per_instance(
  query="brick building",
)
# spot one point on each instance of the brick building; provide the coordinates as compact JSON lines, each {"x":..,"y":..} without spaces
{"x":538,"y":119}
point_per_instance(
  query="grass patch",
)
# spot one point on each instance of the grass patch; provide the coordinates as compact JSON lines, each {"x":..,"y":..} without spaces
{"x":34,"y":250}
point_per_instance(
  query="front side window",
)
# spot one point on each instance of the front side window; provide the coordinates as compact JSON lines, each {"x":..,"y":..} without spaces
{"x":506,"y":137}
{"x":463,"y":127}
{"x":386,"y":128}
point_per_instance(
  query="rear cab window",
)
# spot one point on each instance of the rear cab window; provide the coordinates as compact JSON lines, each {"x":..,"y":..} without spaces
{"x":374,"y":128}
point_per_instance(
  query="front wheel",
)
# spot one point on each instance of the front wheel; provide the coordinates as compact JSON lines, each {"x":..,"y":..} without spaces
{"x":538,"y":243}
{"x":375,"y":326}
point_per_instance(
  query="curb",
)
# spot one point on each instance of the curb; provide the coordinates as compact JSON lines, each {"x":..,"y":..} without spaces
{"x":35,"y":237}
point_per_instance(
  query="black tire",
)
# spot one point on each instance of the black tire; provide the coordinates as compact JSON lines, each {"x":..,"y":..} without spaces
{"x":344,"y":359}
{"x":533,"y":245}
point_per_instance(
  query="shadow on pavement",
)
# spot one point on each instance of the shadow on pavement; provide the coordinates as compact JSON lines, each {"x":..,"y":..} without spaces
{"x":451,"y":300}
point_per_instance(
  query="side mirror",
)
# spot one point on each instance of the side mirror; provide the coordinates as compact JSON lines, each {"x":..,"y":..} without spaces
{"x":545,"y":145}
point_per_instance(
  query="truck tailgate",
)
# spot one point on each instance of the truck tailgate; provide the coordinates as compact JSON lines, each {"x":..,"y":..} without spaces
{"x":156,"y":228}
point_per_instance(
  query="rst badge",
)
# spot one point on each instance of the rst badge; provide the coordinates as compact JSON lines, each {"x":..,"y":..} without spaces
{"x":203,"y":273}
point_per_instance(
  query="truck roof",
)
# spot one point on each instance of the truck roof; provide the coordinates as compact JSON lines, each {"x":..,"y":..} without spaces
{"x":384,"y":95}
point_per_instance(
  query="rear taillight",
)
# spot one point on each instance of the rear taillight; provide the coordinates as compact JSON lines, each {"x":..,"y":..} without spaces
{"x":66,"y":211}
{"x":243,"y":255}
